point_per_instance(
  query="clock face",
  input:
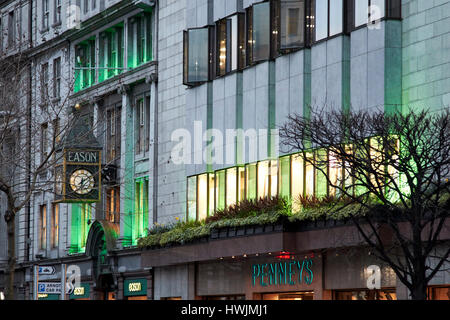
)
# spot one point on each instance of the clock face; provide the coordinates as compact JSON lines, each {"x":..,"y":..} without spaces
{"x":82,"y":181}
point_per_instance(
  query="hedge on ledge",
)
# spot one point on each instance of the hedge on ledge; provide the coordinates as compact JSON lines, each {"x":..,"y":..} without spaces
{"x":265,"y":211}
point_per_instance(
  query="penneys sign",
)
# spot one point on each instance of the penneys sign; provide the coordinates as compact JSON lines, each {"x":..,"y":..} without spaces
{"x":283,"y":273}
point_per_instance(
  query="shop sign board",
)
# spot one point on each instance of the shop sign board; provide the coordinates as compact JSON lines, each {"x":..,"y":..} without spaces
{"x":289,"y":272}
{"x":81,"y":292}
{"x":135,"y":287}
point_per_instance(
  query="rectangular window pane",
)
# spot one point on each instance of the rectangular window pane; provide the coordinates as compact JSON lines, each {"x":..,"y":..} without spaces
{"x":202,"y":196}
{"x":292,"y":28}
{"x":285,"y":177}
{"x":211,"y":186}
{"x":321,"y":180}
{"x":361,"y":12}
{"x":273,"y":178}
{"x":241,"y":182}
{"x":198,"y":55}
{"x":220,"y":190}
{"x":335,"y":173}
{"x":222,"y":47}
{"x":261,"y":31}
{"x":263,"y":179}
{"x":251,"y":181}
{"x":321,"y":10}
{"x":231,"y":186}
{"x":192,"y":198}
{"x":234,"y":43}
{"x":377,"y":10}
{"x":336,"y":17}
{"x":297,"y":175}
{"x":309,"y":176}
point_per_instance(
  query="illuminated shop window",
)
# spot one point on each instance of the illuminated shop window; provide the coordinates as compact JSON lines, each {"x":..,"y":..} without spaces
{"x":292,"y":24}
{"x":251,"y":181}
{"x":197,"y":48}
{"x":192,"y":198}
{"x":263,"y":179}
{"x":220,"y":190}
{"x":231,"y":186}
{"x":321,"y":179}
{"x":211,"y":193}
{"x":297,"y":178}
{"x":241,"y":182}
{"x":335,"y":173}
{"x":273,"y":176}
{"x":309,"y":175}
{"x":230,"y":44}
{"x":285,"y":177}
{"x":202,"y":200}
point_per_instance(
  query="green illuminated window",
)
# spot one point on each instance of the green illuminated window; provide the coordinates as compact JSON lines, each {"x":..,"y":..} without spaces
{"x":220,"y":190}
{"x":241,"y":182}
{"x":297,"y":179}
{"x":211,"y":193}
{"x":309,"y":175}
{"x":111,"y":52}
{"x":81,"y":218}
{"x":202,"y":196}
{"x":335,"y":173}
{"x":251,"y":181}
{"x":84,"y":64}
{"x":285,"y":177}
{"x":139,"y":39}
{"x":140,"y":220}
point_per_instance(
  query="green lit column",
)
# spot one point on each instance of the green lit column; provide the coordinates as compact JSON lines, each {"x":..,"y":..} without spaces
{"x":127,"y":172}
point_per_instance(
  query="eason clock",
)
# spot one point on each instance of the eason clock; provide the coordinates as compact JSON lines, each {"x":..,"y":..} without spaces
{"x":82,"y":181}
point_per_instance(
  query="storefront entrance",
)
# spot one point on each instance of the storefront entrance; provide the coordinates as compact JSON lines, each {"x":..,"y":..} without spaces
{"x":288,"y":296}
{"x":383,"y":294}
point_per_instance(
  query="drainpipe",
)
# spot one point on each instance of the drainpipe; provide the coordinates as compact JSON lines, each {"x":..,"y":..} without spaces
{"x":155,"y":142}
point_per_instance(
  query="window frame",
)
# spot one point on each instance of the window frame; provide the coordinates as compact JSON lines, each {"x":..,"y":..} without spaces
{"x":345,"y":21}
{"x":211,"y":53}
{"x":392,"y":11}
{"x":57,"y":78}
{"x":58,"y":10}
{"x":54,"y":239}
{"x":241,"y":39}
{"x":45,"y":15}
{"x":43,"y":227}
{"x":142,"y":126}
{"x":306,"y":30}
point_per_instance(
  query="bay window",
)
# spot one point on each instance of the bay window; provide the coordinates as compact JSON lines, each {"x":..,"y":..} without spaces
{"x":230,"y":44}
{"x":197,"y":55}
{"x":292,"y":24}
